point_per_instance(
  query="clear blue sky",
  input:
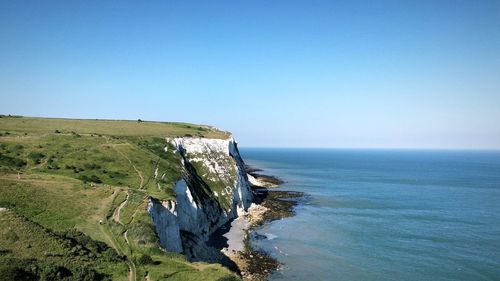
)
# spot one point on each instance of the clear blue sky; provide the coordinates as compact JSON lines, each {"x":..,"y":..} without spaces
{"x":306,"y":73}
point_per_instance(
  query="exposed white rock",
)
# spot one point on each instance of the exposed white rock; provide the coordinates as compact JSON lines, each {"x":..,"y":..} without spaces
{"x":202,"y":145}
{"x":195,"y":212}
{"x":183,"y":195}
{"x":260,"y":183}
{"x":221,"y":158}
{"x":164,"y":217}
{"x":252,"y":180}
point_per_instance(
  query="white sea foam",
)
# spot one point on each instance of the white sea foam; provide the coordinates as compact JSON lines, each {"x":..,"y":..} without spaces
{"x":270,"y":236}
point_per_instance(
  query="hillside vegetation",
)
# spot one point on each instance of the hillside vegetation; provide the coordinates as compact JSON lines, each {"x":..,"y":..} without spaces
{"x":73,"y":199}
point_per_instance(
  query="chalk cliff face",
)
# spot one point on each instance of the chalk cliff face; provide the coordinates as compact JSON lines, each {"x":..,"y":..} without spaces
{"x":213,"y":190}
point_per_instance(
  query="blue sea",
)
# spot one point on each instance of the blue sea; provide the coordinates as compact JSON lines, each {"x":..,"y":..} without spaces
{"x":385,"y":214}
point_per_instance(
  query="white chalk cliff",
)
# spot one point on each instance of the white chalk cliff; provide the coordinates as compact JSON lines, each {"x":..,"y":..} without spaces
{"x":213,"y":190}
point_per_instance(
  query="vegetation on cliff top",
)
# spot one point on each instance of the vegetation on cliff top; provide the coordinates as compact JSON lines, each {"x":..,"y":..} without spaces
{"x":75,"y":197}
{"x":22,"y":125}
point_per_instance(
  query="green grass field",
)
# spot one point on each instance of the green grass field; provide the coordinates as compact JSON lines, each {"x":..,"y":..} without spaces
{"x":74,"y":197}
{"x":22,"y":125}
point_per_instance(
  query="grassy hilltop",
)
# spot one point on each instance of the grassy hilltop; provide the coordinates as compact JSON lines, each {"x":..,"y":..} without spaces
{"x":74,"y":193}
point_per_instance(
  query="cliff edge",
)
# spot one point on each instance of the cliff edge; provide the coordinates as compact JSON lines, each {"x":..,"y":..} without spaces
{"x":213,"y":189}
{"x":116,"y":199}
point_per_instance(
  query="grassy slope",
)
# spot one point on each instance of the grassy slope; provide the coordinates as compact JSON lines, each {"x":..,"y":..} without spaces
{"x":22,"y":240}
{"x":94,"y":176}
{"x":107,"y":127}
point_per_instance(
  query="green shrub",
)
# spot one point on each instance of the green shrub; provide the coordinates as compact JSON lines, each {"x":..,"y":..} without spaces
{"x":54,"y":272}
{"x":86,"y":274}
{"x":112,"y":256}
{"x":31,"y":269}
{"x":18,"y":147}
{"x":229,"y":278}
{"x":92,"y":166}
{"x":145,"y":259}
{"x":11,"y":236}
{"x":95,"y":179}
{"x":4,"y":252}
{"x":9,"y":272}
{"x":12,"y":162}
{"x":36,"y":157}
{"x":92,"y":178}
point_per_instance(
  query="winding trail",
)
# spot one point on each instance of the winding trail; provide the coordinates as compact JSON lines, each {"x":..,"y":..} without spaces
{"x":113,"y":145}
{"x":132,"y":274}
{"x":116,"y":213}
{"x":105,"y":230}
{"x":154,"y":174}
{"x":125,"y":236}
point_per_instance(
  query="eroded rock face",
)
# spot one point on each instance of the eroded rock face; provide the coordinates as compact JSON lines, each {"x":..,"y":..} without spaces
{"x":213,"y":190}
{"x":164,"y":217}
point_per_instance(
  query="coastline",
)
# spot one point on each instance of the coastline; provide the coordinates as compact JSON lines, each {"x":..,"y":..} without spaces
{"x":269,"y":205}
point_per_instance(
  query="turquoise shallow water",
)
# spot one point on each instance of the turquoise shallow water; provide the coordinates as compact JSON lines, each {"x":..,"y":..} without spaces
{"x":385,"y":214}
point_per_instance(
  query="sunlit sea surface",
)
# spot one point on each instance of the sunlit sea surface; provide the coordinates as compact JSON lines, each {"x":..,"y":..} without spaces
{"x":385,"y":214}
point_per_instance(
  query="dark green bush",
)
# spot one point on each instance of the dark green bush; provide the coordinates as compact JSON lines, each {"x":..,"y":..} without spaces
{"x":11,"y":271}
{"x":228,"y":278}
{"x":112,"y":256}
{"x":31,"y":269}
{"x":92,"y":166}
{"x":13,"y":162}
{"x":36,"y":157}
{"x":92,"y":178}
{"x":95,"y":179}
{"x":4,"y":252}
{"x":18,"y":147}
{"x":11,"y":236}
{"x":54,"y":272}
{"x":145,"y":259}
{"x":86,"y":274}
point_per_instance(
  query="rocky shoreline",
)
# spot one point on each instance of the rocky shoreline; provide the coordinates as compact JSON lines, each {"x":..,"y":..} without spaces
{"x":259,"y":180}
{"x":269,"y":204}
